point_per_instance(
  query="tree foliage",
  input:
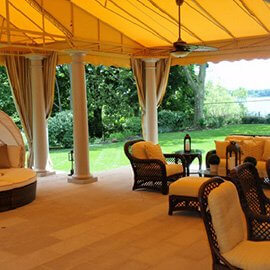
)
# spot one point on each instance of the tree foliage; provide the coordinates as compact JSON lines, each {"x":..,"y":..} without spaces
{"x":179,"y":95}
{"x":221,"y":107}
{"x":6,"y":100}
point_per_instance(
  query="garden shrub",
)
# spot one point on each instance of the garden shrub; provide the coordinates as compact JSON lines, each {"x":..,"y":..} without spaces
{"x":61,"y":130}
{"x":253,"y":120}
{"x":267,"y":119}
{"x":133,"y":125}
{"x":170,"y":121}
{"x":120,"y":136}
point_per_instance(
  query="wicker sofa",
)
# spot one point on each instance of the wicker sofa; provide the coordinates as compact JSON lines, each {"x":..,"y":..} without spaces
{"x":250,"y":145}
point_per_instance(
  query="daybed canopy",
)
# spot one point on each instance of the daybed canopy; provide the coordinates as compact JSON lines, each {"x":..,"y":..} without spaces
{"x":9,"y":132}
{"x":112,"y":31}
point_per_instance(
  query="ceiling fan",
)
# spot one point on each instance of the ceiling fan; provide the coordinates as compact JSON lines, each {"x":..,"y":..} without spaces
{"x":180,"y":47}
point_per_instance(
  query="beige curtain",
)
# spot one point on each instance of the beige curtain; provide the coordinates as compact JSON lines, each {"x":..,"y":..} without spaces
{"x":162,"y":75}
{"x":49,"y":68}
{"x":18,"y":69}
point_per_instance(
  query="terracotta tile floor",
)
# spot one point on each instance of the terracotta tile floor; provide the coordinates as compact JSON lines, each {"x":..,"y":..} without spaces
{"x":104,"y":225}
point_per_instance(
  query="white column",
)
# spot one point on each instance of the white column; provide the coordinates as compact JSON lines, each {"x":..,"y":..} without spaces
{"x":80,"y":122}
{"x":40,"y":134}
{"x":151,"y":118}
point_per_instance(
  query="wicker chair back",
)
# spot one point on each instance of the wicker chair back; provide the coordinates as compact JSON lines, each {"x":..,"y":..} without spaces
{"x":247,"y":181}
{"x":218,"y":261}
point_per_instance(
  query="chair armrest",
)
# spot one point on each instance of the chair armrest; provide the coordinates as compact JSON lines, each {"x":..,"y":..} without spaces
{"x":268,"y":168}
{"x":149,"y":161}
{"x":258,"y":226}
{"x":154,"y":167}
{"x":176,"y":158}
{"x":208,"y":155}
{"x":219,"y":257}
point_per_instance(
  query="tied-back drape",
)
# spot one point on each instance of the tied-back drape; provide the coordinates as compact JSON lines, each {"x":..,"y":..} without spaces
{"x":162,"y":75}
{"x":49,"y":69}
{"x":19,"y":73}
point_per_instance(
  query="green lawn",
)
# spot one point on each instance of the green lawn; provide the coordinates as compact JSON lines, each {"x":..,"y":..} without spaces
{"x":109,"y":156}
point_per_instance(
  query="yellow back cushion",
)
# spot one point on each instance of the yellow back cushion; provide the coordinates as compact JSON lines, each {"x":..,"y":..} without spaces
{"x":138,"y":150}
{"x":227,"y":216}
{"x":4,"y":160}
{"x":266,"y":151}
{"x":15,"y":156}
{"x":237,"y":138}
{"x":221,"y":148}
{"x":153,"y":151}
{"x":252,"y":148}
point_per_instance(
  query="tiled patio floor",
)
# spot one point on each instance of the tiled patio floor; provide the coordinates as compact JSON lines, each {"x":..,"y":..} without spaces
{"x":104,"y":225}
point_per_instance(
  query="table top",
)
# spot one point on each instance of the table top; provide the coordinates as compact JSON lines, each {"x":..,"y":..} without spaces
{"x":191,"y":152}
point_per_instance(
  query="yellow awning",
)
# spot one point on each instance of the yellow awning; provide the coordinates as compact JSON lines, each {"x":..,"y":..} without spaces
{"x":112,"y":31}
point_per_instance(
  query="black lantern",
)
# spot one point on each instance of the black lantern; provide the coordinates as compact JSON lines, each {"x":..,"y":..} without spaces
{"x":71,"y":159}
{"x":187,"y":143}
{"x":233,"y":156}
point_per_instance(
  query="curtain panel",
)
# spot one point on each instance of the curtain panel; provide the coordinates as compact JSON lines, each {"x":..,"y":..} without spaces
{"x":162,"y":75}
{"x":19,"y":74}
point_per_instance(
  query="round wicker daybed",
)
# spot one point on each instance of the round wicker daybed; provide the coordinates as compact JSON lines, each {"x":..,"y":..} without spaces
{"x":17,"y":184}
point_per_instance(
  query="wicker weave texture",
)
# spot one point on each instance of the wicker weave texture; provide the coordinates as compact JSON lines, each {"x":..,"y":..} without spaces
{"x":151,"y":173}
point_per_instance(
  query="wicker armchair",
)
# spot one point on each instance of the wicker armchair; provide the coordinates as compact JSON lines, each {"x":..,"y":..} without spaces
{"x":253,"y":200}
{"x":239,"y":252}
{"x":152,"y":173}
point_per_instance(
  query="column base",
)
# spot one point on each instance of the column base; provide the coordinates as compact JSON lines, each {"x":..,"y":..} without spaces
{"x":42,"y":173}
{"x":87,"y":179}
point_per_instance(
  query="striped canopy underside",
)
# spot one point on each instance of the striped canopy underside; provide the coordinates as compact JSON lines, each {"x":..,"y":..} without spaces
{"x":110,"y":32}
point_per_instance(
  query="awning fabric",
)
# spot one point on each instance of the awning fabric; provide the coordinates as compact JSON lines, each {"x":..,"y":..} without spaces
{"x":112,"y":31}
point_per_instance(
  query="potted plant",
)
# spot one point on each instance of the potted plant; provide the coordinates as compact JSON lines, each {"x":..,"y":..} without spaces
{"x":214,"y":161}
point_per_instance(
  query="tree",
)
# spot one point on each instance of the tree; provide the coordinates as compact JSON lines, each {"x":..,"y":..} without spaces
{"x":197,"y":83}
{"x":112,"y":96}
{"x":62,"y":97}
{"x":6,"y":100}
{"x":179,"y":96}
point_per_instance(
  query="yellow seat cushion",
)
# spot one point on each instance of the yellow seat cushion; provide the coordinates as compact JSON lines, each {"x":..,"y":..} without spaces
{"x":226,"y":212}
{"x":252,"y":148}
{"x":138,"y":149}
{"x":266,"y":150}
{"x":17,"y":177}
{"x":153,"y":151}
{"x":250,"y":255}
{"x":172,"y":169}
{"x":187,"y":186}
{"x":221,"y":148}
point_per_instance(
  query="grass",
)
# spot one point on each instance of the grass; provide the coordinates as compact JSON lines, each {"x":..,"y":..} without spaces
{"x":109,"y":156}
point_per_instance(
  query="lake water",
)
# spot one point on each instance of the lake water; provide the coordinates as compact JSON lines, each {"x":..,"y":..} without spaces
{"x":258,"y":106}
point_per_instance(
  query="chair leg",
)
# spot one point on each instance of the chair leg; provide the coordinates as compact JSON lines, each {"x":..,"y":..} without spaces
{"x":134,"y":185}
{"x":170,"y":212}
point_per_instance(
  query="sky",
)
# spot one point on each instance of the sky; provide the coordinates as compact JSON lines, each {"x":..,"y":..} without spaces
{"x":253,"y":74}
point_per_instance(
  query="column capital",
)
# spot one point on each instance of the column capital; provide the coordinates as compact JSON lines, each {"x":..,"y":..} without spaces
{"x":77,"y":56}
{"x":150,"y":63}
{"x":150,"y":60}
{"x":34,"y":56}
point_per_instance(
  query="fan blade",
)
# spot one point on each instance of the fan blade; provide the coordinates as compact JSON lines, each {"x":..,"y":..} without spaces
{"x":198,"y":48}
